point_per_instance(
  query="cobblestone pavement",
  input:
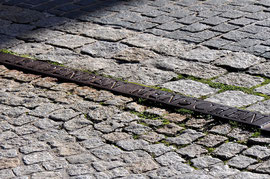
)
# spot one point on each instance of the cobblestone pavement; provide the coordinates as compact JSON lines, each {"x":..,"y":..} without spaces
{"x":186,"y":46}
{"x":215,"y":50}
{"x":51,"y":129}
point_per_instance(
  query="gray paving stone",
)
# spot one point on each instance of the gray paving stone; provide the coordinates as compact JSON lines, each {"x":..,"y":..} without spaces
{"x":196,"y":27}
{"x":104,"y":166}
{"x":157,"y":149}
{"x":19,"y":15}
{"x":239,"y":60}
{"x":170,"y":129}
{"x":169,"y":159}
{"x":132,"y":144}
{"x":224,"y":27}
{"x":8,"y":153}
{"x":249,"y":175}
{"x":162,"y":172}
{"x":79,"y":169}
{"x":222,"y":171}
{"x":81,"y":158}
{"x":198,"y":123}
{"x":63,"y":115}
{"x":142,"y":166}
{"x":260,"y":69}
{"x":106,"y":152}
{"x":144,"y":40}
{"x":259,"y":140}
{"x":108,"y":126}
{"x":108,"y":33}
{"x":240,"y":79}
{"x":241,"y":161}
{"x":234,"y":98}
{"x":37,"y":157}
{"x":264,"y":167}
{"x":171,"y":47}
{"x":230,"y":149}
{"x":77,"y":123}
{"x":190,"y":88}
{"x":201,"y":54}
{"x":242,"y":21}
{"x":170,"y":26}
{"x":138,"y":74}
{"x":264,"y":89}
{"x":50,"y":21}
{"x":40,"y":35}
{"x":103,"y":49}
{"x":199,"y":70}
{"x":35,"y":147}
{"x":187,"y":137}
{"x":137,"y":129}
{"x":55,"y":164}
{"x":257,"y":151}
{"x":212,"y":140}
{"x":205,"y":162}
{"x":262,"y":107}
{"x":135,"y":55}
{"x":59,"y":55}
{"x":44,"y":175}
{"x":7,"y":41}
{"x":26,"y":129}
{"x":70,"y":41}
{"x":26,"y":170}
{"x":16,"y":29}
{"x":6,"y":173}
{"x":192,"y":151}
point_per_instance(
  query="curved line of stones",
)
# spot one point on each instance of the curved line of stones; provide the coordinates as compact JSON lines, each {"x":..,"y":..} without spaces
{"x":171,"y":99}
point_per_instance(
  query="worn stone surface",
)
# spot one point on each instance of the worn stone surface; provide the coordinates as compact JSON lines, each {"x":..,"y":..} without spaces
{"x":260,"y":69}
{"x":70,"y":41}
{"x":103,"y":49}
{"x":262,"y":107}
{"x":187,"y":137}
{"x":239,"y":79}
{"x":139,"y":74}
{"x":258,"y":152}
{"x":228,"y":150}
{"x":239,"y":60}
{"x":199,"y":70}
{"x":192,"y":150}
{"x":235,"y":98}
{"x":264,"y":89}
{"x":205,"y":162}
{"x":201,"y":54}
{"x":135,"y":55}
{"x":50,"y":129}
{"x":241,"y":161}
{"x":190,"y":88}
{"x":212,"y":140}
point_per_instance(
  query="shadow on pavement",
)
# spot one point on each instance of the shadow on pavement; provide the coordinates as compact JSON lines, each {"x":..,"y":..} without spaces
{"x":19,"y":18}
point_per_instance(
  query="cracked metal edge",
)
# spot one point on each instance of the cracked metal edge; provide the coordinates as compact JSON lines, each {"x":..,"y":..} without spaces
{"x":171,"y":99}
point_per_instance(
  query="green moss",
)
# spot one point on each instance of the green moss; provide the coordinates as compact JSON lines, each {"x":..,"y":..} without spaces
{"x":16,"y":54}
{"x":184,"y":111}
{"x":136,"y":136}
{"x":166,"y":122}
{"x":7,"y":51}
{"x":210,"y":149}
{"x":234,"y":124}
{"x":256,"y":134}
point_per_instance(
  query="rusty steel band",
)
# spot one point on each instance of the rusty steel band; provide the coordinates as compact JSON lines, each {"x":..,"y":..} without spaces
{"x":176,"y":100}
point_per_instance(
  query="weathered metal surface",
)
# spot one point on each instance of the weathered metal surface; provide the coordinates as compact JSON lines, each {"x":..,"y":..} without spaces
{"x":176,"y":100}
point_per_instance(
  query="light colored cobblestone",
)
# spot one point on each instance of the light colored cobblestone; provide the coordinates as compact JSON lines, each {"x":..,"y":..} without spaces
{"x":239,"y":79}
{"x":235,"y":98}
{"x":190,"y":88}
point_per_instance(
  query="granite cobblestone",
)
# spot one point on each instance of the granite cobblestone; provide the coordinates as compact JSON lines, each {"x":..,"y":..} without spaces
{"x":62,"y":130}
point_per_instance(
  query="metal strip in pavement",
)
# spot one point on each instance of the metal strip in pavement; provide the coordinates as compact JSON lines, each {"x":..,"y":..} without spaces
{"x":225,"y":112}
